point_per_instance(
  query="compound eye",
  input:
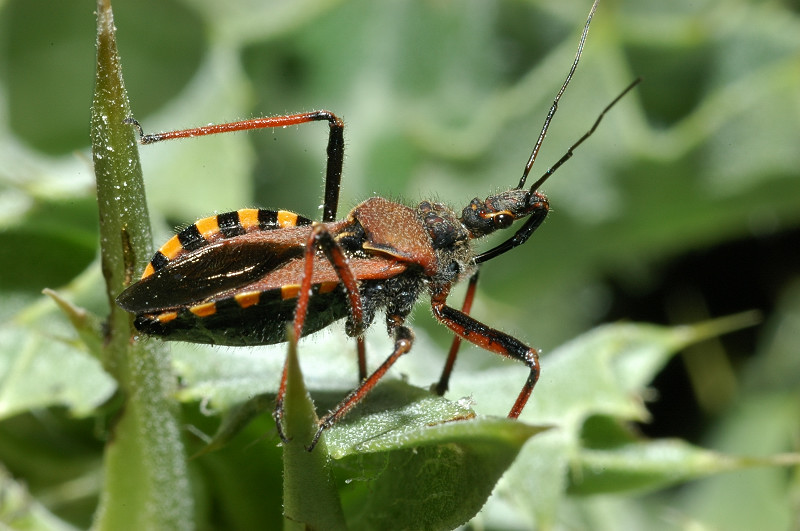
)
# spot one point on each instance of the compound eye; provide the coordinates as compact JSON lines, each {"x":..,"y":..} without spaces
{"x":502,"y":221}
{"x":453,"y":268}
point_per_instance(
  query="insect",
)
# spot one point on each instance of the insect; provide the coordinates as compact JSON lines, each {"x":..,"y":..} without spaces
{"x":238,"y":278}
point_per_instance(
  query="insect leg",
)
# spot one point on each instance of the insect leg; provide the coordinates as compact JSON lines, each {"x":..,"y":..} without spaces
{"x":492,"y":340}
{"x":277,"y":413}
{"x":403,"y":340}
{"x":335,"y":151}
{"x":321,"y":238}
{"x":441,"y":387}
{"x":362,"y":358}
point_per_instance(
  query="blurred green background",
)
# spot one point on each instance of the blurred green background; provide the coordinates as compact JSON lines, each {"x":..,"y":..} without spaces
{"x":685,"y":204}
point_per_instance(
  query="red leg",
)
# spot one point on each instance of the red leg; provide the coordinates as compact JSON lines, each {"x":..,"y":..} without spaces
{"x":277,"y":413}
{"x":333,"y":176}
{"x":492,"y":340}
{"x":321,"y":238}
{"x":403,"y":339}
{"x":441,"y":387}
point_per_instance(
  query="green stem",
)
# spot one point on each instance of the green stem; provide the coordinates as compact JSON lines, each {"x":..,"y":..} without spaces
{"x":146,"y":484}
{"x":310,"y":497}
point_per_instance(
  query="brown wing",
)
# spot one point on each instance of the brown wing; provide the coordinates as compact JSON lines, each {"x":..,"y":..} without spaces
{"x":218,"y":267}
{"x":291,"y":273}
{"x":254,"y":261}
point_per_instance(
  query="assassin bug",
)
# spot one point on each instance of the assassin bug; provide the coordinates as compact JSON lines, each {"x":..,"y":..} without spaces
{"x":237,"y":278}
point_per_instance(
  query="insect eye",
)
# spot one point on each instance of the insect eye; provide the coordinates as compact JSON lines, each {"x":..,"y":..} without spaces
{"x":502,"y":221}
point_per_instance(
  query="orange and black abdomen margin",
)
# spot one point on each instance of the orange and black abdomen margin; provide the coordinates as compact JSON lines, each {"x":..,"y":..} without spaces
{"x":198,"y":287}
{"x":214,"y":228}
{"x":246,"y":319}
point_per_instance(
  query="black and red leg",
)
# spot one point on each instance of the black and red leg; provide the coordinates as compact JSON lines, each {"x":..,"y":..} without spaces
{"x":321,"y":238}
{"x":403,"y":340}
{"x":335,"y":151}
{"x":492,"y":340}
{"x":444,"y":379}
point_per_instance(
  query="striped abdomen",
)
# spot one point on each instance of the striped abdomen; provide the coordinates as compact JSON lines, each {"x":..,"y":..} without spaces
{"x":213,"y":228}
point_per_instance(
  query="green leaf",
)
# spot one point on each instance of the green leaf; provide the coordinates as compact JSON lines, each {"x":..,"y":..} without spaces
{"x":435,"y":485}
{"x":235,"y":420}
{"x":398,"y":416}
{"x":416,"y":461}
{"x":21,"y":511}
{"x":64,"y":227}
{"x":646,"y":466}
{"x":604,"y":372}
{"x":223,"y":377}
{"x":88,"y":325}
{"x":28,"y":380}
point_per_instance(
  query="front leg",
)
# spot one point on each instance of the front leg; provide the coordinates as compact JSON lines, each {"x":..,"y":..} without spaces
{"x":444,"y":379}
{"x":492,"y":340}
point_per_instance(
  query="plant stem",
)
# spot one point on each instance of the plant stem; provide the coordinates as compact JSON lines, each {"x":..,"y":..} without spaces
{"x":146,"y":484}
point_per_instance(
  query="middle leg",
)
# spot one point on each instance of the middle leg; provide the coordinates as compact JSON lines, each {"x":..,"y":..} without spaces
{"x":321,"y":238}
